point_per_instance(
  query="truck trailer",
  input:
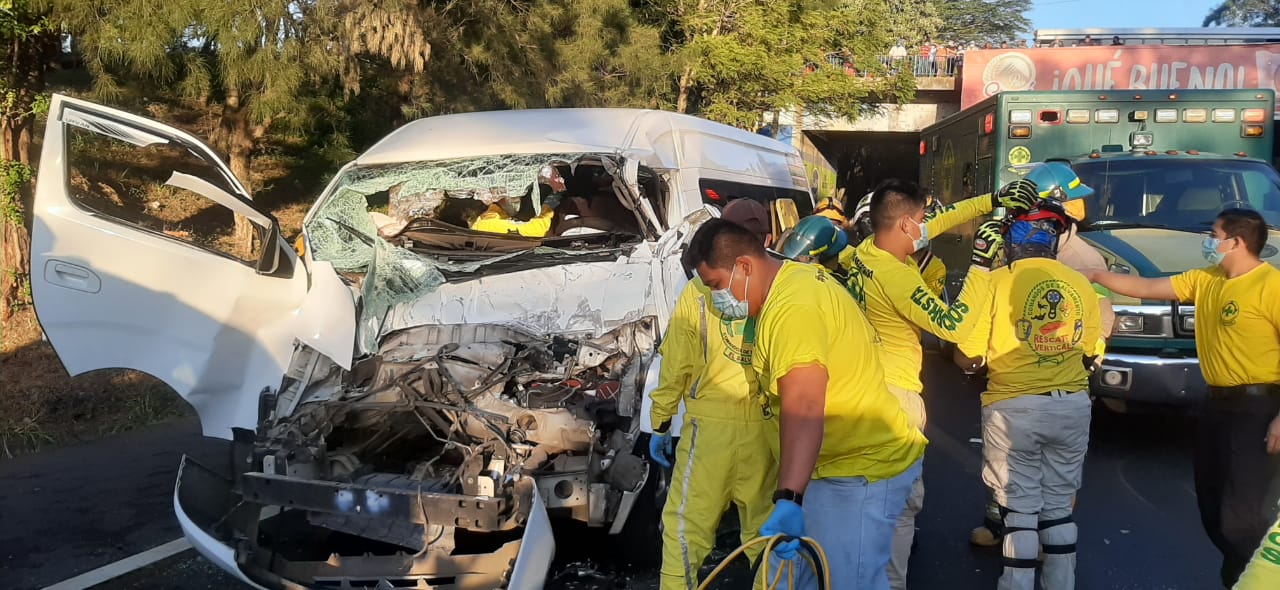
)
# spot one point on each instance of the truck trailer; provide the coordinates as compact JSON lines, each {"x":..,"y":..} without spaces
{"x":1163,"y":164}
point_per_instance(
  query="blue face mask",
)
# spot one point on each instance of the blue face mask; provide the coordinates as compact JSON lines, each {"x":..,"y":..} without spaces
{"x":730,"y":307}
{"x":921,"y":242}
{"x":1210,"y":250}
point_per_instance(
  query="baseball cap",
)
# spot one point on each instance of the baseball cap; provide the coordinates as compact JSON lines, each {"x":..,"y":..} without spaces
{"x":748,"y":213}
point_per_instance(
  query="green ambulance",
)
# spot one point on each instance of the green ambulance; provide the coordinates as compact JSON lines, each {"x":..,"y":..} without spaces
{"x":1163,"y":163}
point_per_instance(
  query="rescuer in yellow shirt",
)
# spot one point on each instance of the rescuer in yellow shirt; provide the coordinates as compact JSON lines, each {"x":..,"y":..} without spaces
{"x":899,"y":303}
{"x":499,"y":218}
{"x":847,"y":451}
{"x":1057,"y":181}
{"x":1041,"y":326}
{"x":1237,"y":457}
{"x":724,"y":453}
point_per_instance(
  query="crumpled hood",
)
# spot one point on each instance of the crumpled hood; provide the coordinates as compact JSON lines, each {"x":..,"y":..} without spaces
{"x":1157,"y":252}
{"x":587,"y":297}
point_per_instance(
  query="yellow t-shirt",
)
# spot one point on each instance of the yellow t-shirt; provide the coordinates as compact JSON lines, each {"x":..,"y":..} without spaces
{"x":706,"y":361}
{"x":809,"y":319}
{"x":1237,"y":323}
{"x":899,"y":304}
{"x":1039,"y":322}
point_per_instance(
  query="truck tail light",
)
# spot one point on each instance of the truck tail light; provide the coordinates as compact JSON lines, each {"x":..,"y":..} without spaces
{"x":1166,"y":115}
{"x":1141,"y":139}
{"x":1251,"y":131}
{"x":1050,"y":117}
{"x":1019,"y":131}
{"x":1106,"y":116}
{"x":1255,"y":115}
{"x":1020,"y":116}
{"x":1139,"y":116}
{"x":989,"y":124}
{"x":1195,"y":115}
{"x":922,"y":147}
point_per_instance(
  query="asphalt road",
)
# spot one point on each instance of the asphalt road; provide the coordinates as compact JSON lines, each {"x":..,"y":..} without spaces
{"x":68,"y":511}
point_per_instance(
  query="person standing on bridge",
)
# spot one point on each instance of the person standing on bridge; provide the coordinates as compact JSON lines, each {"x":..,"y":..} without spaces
{"x":724,"y":454}
{"x":888,"y":284}
{"x":1237,"y":456}
{"x":847,"y":452}
{"x":1041,"y":325}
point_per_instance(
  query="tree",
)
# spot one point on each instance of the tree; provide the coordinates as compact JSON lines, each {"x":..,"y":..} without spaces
{"x":739,"y":59}
{"x":28,"y":37}
{"x":1244,"y":13}
{"x":257,"y":61}
{"x":983,"y":21}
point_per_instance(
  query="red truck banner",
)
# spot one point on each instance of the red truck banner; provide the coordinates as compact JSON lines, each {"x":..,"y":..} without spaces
{"x":1126,"y":67}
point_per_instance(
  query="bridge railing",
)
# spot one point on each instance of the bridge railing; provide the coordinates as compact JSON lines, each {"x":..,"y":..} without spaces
{"x":920,"y":67}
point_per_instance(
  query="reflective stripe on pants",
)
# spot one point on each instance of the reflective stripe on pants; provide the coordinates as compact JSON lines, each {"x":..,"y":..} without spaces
{"x":718,"y":463}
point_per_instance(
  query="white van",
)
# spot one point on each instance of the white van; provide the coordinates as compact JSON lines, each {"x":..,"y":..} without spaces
{"x":410,"y":401}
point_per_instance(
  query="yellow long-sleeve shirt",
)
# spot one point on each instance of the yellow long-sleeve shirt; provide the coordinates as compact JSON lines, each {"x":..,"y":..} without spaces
{"x":706,"y":361}
{"x":899,"y":302}
{"x":495,"y":220}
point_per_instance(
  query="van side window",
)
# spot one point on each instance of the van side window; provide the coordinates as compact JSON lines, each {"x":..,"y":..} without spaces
{"x":134,"y":185}
{"x":721,"y":192}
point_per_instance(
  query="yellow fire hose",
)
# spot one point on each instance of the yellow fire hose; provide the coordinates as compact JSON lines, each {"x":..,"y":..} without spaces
{"x":810,"y":550}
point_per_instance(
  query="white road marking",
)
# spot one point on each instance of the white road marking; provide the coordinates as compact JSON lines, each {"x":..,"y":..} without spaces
{"x":122,"y":567}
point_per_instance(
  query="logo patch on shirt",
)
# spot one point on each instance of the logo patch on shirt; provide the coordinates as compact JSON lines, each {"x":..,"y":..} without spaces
{"x":738,"y":337}
{"x":1230,"y":312}
{"x":1052,"y":321}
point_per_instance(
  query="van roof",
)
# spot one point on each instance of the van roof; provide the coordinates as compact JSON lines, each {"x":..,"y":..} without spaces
{"x":538,"y":131}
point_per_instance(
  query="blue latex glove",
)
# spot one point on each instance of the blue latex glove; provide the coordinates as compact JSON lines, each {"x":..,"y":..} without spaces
{"x":661,"y":449}
{"x":787,"y":518}
{"x":551,"y":201}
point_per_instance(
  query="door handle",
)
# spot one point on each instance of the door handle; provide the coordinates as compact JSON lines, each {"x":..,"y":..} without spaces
{"x":71,"y":276}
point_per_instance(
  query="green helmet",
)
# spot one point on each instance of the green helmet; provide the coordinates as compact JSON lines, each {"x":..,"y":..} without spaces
{"x":814,"y":237}
{"x":1055,"y":180}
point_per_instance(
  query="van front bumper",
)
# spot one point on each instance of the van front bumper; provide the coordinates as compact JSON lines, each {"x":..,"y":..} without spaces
{"x":221,"y":524}
{"x":1150,"y":379}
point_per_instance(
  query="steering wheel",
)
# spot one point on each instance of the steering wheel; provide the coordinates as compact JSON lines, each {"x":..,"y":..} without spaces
{"x":599,"y":223}
{"x":1235,"y":203}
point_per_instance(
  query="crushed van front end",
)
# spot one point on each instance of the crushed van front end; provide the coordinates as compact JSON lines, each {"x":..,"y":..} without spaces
{"x":436,"y":463}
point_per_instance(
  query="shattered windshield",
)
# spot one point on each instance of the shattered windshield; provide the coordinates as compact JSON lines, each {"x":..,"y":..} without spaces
{"x":1177,"y":193}
{"x":410,"y":227}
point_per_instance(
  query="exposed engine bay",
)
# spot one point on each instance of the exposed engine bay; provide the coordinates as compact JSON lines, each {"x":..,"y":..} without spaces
{"x":431,"y":452}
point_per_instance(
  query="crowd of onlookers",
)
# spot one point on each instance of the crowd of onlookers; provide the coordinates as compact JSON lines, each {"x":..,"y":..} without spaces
{"x":944,"y":59}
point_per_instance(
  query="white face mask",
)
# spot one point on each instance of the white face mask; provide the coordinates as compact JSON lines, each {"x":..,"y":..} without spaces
{"x":921,"y":242}
{"x":727,"y":304}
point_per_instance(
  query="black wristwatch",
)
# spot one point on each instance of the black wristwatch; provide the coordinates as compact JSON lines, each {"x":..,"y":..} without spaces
{"x":792,"y":495}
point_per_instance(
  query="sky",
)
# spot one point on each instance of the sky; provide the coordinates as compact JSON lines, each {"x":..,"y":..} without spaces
{"x":1118,"y":14}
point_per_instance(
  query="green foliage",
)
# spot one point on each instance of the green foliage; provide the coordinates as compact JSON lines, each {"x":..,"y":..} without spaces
{"x":979,"y":21}
{"x":742,"y":58}
{"x":1244,"y":13}
{"x":14,"y":177}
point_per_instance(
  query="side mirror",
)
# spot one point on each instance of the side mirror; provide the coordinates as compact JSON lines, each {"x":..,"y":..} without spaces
{"x":269,"y":261}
